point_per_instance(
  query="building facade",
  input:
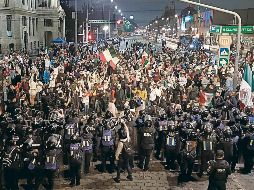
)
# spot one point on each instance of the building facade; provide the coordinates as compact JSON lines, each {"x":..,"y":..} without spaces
{"x":30,"y":24}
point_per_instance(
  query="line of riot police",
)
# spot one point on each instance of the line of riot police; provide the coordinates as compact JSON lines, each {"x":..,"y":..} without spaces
{"x":189,"y":140}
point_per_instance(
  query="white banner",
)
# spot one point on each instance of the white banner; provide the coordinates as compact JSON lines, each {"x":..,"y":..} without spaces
{"x":245,"y":94}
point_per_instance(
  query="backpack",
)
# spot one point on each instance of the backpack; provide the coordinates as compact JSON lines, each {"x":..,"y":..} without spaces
{"x":127,"y":149}
{"x":250,"y":145}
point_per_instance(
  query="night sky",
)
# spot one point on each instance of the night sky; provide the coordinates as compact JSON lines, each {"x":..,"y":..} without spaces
{"x":146,"y":10}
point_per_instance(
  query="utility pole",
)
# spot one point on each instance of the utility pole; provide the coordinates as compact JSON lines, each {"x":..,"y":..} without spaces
{"x":76,"y":24}
{"x":236,"y":71}
{"x":87,"y":21}
{"x":109,"y":25}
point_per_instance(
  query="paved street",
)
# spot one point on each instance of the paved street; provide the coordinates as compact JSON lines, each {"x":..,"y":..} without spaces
{"x":155,"y":179}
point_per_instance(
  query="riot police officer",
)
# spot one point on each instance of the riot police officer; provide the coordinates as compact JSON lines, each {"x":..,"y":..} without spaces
{"x":50,"y":162}
{"x":147,"y":143}
{"x":161,"y":128}
{"x":188,"y":154}
{"x":69,"y":130}
{"x":218,"y":171}
{"x":107,"y":144}
{"x":227,"y":145}
{"x":248,"y":150}
{"x":171,"y":146}
{"x":87,"y":148}
{"x":206,"y":147}
{"x":11,"y":164}
{"x":75,"y":160}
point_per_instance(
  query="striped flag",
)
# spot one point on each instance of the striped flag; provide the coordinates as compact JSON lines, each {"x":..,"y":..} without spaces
{"x":105,"y":56}
{"x":114,"y":62}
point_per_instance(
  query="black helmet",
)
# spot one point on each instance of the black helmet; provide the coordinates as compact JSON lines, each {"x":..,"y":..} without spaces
{"x":171,"y":126}
{"x":108,"y":115}
{"x":251,"y":128}
{"x":51,"y":145}
{"x":235,"y":130}
{"x":195,"y":110}
{"x":235,"y":111}
{"x":224,"y":108}
{"x":205,"y":113}
{"x":208,"y":129}
{"x":148,"y":121}
{"x":227,"y":132}
{"x":244,"y":120}
{"x":248,"y":111}
{"x":192,"y":135}
{"x":179,"y":112}
{"x":189,"y":125}
{"x":164,"y":116}
{"x":215,"y":113}
{"x":29,"y":131}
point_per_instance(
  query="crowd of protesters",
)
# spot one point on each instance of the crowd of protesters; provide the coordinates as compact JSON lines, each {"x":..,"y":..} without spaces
{"x":167,"y":85}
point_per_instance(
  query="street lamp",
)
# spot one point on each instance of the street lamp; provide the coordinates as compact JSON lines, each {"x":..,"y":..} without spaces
{"x":112,"y":1}
{"x":119,"y":11}
{"x":116,"y":7}
{"x":176,"y":15}
{"x":162,"y":18}
{"x":105,"y":28}
{"x":131,"y":17}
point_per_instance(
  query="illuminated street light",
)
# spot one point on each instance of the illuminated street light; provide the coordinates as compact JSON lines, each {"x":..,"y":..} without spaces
{"x":176,"y":15}
{"x":131,"y":17}
{"x":121,"y":14}
{"x":156,"y":21}
{"x":112,"y":1}
{"x":119,"y":11}
{"x":167,"y":18}
{"x":105,"y":28}
{"x":162,"y":18}
{"x":116,"y":7}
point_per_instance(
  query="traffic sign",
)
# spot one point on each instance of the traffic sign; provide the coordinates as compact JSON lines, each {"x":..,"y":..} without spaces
{"x":224,"y":52}
{"x":231,"y":29}
{"x":234,"y":29}
{"x":100,"y":21}
{"x":223,"y":61}
{"x":225,"y":41}
{"x":215,"y":29}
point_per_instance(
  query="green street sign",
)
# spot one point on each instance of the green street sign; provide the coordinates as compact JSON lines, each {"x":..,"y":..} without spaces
{"x":223,"y":61}
{"x":215,"y":29}
{"x":234,"y":29}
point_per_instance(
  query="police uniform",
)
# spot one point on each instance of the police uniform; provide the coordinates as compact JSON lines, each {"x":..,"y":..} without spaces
{"x":87,"y":149}
{"x":206,"y":148}
{"x":11,"y":164}
{"x":70,"y":129}
{"x":218,"y":172}
{"x":161,"y":127}
{"x":50,"y":165}
{"x":171,"y":147}
{"x":188,"y":154}
{"x":108,"y":136}
{"x":75,"y":162}
{"x":146,"y":146}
